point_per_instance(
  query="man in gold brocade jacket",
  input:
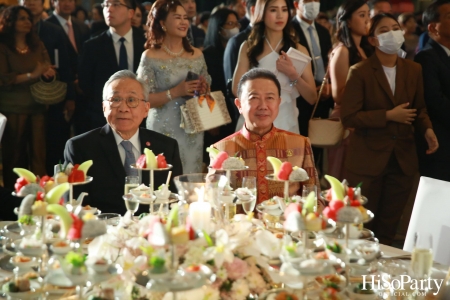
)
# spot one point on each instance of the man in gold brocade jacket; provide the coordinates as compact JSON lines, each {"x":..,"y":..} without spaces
{"x":258,"y":101}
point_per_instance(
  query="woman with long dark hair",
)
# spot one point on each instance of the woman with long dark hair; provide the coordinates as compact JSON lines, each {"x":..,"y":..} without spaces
{"x":266,"y":47}
{"x":385,"y":106}
{"x":165,"y":66}
{"x":23,"y":59}
{"x":352,"y":20}
{"x":223,"y":25}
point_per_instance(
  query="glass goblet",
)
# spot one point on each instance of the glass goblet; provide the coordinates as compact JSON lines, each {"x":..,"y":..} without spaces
{"x":131,"y":203}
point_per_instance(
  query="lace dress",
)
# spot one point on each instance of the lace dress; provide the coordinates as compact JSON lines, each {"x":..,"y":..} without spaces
{"x":161,"y":75}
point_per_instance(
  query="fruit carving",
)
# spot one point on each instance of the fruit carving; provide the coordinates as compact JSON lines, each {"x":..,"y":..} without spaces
{"x":221,"y":160}
{"x":149,"y":160}
{"x":340,"y":194}
{"x":285,"y":170}
{"x":303,"y":218}
{"x":76,"y":175}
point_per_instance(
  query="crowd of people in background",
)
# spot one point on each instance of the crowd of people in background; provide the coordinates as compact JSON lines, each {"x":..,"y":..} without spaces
{"x":389,"y":104}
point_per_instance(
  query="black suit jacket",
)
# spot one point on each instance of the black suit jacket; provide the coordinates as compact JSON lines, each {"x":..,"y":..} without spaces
{"x":436,"y":79}
{"x":107,"y":187}
{"x":53,"y":38}
{"x":244,"y":23}
{"x":231,"y":55}
{"x":98,"y":62}
{"x":323,"y":107}
{"x":81,"y":33}
{"x":98,"y":27}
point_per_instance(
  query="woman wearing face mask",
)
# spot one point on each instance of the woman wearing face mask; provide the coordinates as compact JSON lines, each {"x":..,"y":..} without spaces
{"x":385,"y":106}
{"x":352,"y":20}
{"x":266,"y":47}
{"x":223,"y":25}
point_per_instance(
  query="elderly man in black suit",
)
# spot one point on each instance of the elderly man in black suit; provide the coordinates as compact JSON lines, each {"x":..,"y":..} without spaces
{"x":317,"y":40}
{"x":76,"y":33}
{"x":435,"y":61}
{"x":57,"y":127}
{"x":118,"y":48}
{"x":113,"y":147}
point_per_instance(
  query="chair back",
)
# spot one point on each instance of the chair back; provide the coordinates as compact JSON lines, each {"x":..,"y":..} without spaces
{"x":431,"y":214}
{"x":2,"y":125}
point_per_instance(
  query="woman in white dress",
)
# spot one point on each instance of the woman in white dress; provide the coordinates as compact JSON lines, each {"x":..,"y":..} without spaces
{"x":266,"y":47}
{"x":164,"y":67}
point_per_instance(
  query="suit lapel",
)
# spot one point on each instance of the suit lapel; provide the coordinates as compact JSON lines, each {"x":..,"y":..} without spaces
{"x":110,"y":53}
{"x":111,"y":152}
{"x":138,"y":48}
{"x":441,"y":52}
{"x":400,"y":80}
{"x":381,"y":77}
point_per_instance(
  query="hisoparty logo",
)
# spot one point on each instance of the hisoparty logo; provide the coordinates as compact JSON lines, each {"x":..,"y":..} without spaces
{"x":403,"y":284}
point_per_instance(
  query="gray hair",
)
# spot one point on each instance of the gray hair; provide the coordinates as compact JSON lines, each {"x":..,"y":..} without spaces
{"x":123,"y":74}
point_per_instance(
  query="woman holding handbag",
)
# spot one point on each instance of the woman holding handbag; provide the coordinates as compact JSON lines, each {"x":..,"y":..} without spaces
{"x":23,"y":59}
{"x":164,"y":67}
{"x":352,"y":20}
{"x":271,"y":37}
{"x":385,"y":106}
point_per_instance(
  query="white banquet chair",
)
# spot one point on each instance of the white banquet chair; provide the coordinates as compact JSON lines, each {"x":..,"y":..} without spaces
{"x":431,"y":215}
{"x":2,"y":125}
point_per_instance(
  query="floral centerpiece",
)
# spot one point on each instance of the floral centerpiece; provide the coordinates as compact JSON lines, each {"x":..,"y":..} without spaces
{"x":236,"y":253}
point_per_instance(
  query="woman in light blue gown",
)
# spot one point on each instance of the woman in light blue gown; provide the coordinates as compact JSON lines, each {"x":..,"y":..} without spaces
{"x":164,"y":67}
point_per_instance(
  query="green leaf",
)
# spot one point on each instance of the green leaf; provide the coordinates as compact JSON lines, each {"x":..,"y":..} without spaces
{"x":359,"y":185}
{"x":208,"y":239}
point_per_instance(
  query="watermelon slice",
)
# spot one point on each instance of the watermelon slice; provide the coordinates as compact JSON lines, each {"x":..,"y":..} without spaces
{"x":219,"y":159}
{"x":285,"y":170}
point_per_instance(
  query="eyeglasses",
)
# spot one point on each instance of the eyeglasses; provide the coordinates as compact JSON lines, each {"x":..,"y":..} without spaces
{"x":233,"y":24}
{"x":131,"y":102}
{"x":113,"y":4}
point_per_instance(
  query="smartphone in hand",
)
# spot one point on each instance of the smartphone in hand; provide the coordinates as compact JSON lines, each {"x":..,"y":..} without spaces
{"x":192,"y":76}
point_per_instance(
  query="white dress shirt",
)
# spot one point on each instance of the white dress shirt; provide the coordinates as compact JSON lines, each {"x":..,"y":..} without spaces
{"x":128,"y":45}
{"x":134,"y":140}
{"x":63,"y":22}
{"x":304,"y":26}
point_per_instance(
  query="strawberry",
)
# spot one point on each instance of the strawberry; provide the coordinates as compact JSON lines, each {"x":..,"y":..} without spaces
{"x":76,"y":175}
{"x":44,"y":180}
{"x":190,"y":229}
{"x":20,"y":182}
{"x":142,"y":162}
{"x":285,"y":170}
{"x":39,"y":196}
{"x":350,"y":193}
{"x":291,"y":208}
{"x":355,"y":203}
{"x":329,"y":213}
{"x":161,"y":160}
{"x":336,"y":205}
{"x":219,"y":159}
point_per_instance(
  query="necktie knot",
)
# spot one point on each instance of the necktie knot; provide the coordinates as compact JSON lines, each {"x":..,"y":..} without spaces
{"x":122,"y":40}
{"x":127,"y":145}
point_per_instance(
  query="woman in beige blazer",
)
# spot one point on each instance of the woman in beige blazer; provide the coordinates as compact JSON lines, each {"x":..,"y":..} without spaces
{"x":383,"y":101}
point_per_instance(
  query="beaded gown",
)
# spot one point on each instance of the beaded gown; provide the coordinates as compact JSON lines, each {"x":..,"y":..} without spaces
{"x":161,"y":75}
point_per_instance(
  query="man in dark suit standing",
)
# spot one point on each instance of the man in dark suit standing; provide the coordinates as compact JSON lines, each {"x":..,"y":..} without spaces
{"x":231,"y":54}
{"x":57,"y":127}
{"x":118,"y":48}
{"x":317,"y":40}
{"x":195,"y":35}
{"x":76,"y":33}
{"x":435,"y":61}
{"x":115,"y":146}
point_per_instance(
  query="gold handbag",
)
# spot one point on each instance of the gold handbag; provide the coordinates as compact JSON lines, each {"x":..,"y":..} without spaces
{"x":49,"y":92}
{"x":204,"y":112}
{"x":324,"y":132}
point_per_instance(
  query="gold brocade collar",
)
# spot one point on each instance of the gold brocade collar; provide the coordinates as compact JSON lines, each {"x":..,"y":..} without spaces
{"x":253,"y":137}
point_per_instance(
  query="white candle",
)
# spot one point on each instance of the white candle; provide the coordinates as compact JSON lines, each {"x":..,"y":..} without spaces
{"x":200,"y":211}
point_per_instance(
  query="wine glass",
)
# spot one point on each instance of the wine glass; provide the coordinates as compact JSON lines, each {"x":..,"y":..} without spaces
{"x":422,"y":255}
{"x":248,"y":204}
{"x":131,"y":203}
{"x":131,"y":182}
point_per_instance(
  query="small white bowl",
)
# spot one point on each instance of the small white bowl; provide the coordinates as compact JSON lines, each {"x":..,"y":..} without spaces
{"x":32,"y":251}
{"x":60,"y":250}
{"x":24,"y":265}
{"x":92,"y":210}
{"x":367,"y":250}
{"x":31,"y":294}
{"x":99,"y":267}
{"x":244,"y":194}
{"x":268,"y":205}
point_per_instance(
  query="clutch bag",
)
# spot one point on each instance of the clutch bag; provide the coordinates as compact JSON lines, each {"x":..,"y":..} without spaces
{"x":48,"y":92}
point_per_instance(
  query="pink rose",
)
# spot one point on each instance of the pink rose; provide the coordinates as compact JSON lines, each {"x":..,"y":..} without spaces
{"x":236,"y":269}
